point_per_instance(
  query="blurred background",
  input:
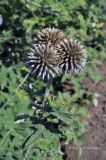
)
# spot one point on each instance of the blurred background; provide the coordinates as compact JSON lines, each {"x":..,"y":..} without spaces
{"x":84,"y":20}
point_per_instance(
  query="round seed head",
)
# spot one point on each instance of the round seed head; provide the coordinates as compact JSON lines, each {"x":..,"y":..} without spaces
{"x":53,"y":54}
{"x":73,"y":56}
{"x":43,"y":61}
{"x":51,"y":36}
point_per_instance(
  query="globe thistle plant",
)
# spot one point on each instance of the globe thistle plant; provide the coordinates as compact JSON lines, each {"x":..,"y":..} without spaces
{"x":53,"y":54}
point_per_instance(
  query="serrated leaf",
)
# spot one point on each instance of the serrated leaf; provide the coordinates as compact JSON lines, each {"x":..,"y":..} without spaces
{"x":35,"y":138}
{"x":64,"y":117}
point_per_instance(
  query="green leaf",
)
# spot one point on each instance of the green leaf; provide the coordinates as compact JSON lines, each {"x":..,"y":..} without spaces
{"x":35,"y":138}
{"x":8,"y":157}
{"x":64,"y":117}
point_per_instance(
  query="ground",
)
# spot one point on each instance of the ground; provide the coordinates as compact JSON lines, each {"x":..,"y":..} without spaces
{"x":95,"y":137}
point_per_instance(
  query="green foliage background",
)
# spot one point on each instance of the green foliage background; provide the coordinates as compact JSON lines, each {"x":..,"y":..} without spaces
{"x":28,"y":132}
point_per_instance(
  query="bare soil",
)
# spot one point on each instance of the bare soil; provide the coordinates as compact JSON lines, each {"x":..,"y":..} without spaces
{"x":95,"y":137}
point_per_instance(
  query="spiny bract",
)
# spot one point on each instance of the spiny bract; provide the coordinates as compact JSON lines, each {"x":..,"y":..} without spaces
{"x":53,"y":54}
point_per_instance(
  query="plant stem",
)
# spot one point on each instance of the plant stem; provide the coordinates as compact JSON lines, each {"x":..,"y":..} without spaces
{"x":47,"y":89}
{"x":46,"y":92}
{"x":25,"y":78}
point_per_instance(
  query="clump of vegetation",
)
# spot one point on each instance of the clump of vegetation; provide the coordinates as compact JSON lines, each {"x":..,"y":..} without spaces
{"x":28,"y":131}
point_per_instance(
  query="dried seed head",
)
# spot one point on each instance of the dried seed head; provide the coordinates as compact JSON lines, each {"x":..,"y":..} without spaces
{"x":53,"y":54}
{"x":43,"y":61}
{"x":51,"y":36}
{"x":74,"y":57}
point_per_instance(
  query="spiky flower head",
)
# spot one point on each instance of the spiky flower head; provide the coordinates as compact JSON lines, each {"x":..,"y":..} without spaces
{"x":43,"y":61}
{"x":53,"y":54}
{"x":51,"y":36}
{"x":73,"y":56}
